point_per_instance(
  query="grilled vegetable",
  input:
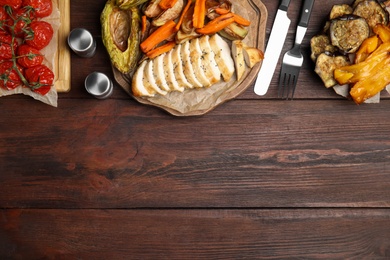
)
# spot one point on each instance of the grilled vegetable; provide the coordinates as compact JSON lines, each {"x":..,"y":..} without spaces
{"x":369,"y":76}
{"x":121,"y":35}
{"x":169,"y":14}
{"x":326,"y":65}
{"x":126,"y":4}
{"x":340,"y":10}
{"x":348,"y":33}
{"x":153,"y":9}
{"x":372,"y":11}
{"x":234,"y":31}
{"x":320,"y":44}
{"x":367,"y":47}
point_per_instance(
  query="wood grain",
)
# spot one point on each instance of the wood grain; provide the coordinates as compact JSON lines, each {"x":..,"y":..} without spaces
{"x":246,"y":154}
{"x":195,"y":234}
{"x":63,"y":63}
{"x":256,"y":178}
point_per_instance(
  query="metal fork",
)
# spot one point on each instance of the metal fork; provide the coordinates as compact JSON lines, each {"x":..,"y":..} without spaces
{"x":293,"y":59}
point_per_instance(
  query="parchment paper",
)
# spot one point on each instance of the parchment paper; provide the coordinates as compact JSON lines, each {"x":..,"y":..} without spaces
{"x":49,"y":52}
{"x":200,"y":101}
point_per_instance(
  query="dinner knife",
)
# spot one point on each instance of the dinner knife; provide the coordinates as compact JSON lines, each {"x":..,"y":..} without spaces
{"x":274,"y":48}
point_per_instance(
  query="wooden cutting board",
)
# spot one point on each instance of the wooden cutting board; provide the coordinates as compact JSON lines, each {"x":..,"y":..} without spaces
{"x":254,"y":10}
{"x":62,"y":58}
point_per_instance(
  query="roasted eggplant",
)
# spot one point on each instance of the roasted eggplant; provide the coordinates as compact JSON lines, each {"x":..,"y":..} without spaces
{"x":372,"y":11}
{"x":340,"y":10}
{"x":320,"y":44}
{"x":121,"y":35}
{"x":348,"y":32}
{"x":326,"y":65}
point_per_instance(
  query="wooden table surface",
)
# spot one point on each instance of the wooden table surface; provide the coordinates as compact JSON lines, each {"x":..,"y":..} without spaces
{"x":257,"y":177}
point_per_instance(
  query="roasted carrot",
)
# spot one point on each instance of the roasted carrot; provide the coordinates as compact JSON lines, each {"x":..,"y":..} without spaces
{"x":143,"y":28}
{"x":183,"y":13}
{"x":199,"y":13}
{"x":161,"y":49}
{"x":166,"y":4}
{"x":159,"y":35}
{"x":220,"y":10}
{"x":241,"y":20}
{"x":217,"y":24}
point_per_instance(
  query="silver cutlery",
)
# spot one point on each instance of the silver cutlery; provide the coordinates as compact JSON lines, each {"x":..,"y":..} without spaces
{"x":293,"y":59}
{"x":274,"y":48}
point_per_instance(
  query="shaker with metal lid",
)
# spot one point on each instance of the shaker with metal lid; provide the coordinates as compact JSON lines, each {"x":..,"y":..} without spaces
{"x":98,"y":85}
{"x":82,"y":42}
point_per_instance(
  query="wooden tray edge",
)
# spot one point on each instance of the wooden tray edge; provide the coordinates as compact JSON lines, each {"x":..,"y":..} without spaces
{"x":63,"y":64}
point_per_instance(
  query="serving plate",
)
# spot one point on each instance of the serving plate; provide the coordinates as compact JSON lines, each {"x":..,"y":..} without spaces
{"x":201,"y":101}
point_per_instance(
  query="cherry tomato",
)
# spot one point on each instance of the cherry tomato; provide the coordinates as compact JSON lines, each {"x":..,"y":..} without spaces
{"x":6,"y":51}
{"x":40,"y":34}
{"x":29,"y":56}
{"x":9,"y":78}
{"x":40,"y":79}
{"x":4,"y":20}
{"x":21,"y":19}
{"x":42,"y":8}
{"x":14,"y":4}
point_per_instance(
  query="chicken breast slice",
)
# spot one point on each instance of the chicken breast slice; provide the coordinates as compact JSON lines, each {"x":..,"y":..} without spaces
{"x":223,"y":56}
{"x":170,"y":73}
{"x":196,"y":57}
{"x":149,"y":79}
{"x":138,"y":87}
{"x":238,"y":57}
{"x":212,"y":71}
{"x":187,"y":65}
{"x":158,"y":69}
{"x":178,"y":66}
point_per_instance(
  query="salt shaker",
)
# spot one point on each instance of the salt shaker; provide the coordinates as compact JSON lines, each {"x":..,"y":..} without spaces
{"x":82,"y":42}
{"x":98,"y":85}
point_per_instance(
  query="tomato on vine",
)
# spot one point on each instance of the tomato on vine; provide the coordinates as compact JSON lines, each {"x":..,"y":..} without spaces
{"x":40,"y":79}
{"x":23,"y":65}
{"x":20,"y":21}
{"x":6,"y":49}
{"x":14,"y":4}
{"x":4,"y":21}
{"x":9,"y":77}
{"x":40,"y":34}
{"x":28,"y":56}
{"x":42,"y":8}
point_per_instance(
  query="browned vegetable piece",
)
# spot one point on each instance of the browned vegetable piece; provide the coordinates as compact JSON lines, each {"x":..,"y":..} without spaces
{"x":348,"y":33}
{"x":234,"y":31}
{"x":153,"y":9}
{"x":127,"y":4}
{"x":121,"y":35}
{"x":371,"y":86}
{"x":169,"y":14}
{"x":320,"y":44}
{"x":340,"y":10}
{"x":326,"y":65}
{"x":373,"y":12}
{"x":356,"y":2}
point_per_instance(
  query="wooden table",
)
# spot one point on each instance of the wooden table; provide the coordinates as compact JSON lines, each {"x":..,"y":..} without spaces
{"x":257,"y":177}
